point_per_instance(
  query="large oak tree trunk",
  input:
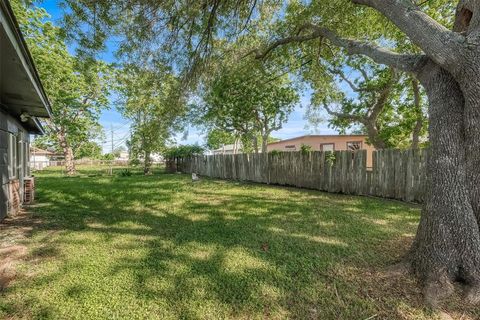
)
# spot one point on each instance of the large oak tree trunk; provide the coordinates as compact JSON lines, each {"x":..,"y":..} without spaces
{"x":465,"y":70}
{"x":472,"y":140}
{"x":447,"y":244}
{"x":67,"y":153}
{"x":470,"y":86}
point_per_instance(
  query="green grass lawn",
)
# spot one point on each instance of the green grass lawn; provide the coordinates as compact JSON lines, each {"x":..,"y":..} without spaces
{"x":162,"y":247}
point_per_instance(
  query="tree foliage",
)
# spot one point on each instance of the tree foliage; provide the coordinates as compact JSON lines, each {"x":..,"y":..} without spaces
{"x":150,"y":97}
{"x":216,"y":138}
{"x":89,"y":150}
{"x":379,"y":101}
{"x":247,"y":103}
{"x":182,"y":151}
{"x":77,"y":88}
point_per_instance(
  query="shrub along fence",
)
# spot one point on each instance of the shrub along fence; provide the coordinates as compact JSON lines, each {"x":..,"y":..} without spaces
{"x":396,"y":174}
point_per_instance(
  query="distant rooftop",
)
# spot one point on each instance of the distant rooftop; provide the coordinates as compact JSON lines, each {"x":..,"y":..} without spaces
{"x":320,"y":135}
{"x":229,"y":147}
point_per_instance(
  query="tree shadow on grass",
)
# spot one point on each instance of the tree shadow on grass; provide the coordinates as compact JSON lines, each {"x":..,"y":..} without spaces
{"x":165,"y":247}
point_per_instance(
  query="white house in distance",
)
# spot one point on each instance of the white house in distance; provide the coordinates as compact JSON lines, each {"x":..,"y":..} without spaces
{"x":123,"y":156}
{"x":22,"y":101}
{"x":228,"y":149}
{"x":40,"y":159}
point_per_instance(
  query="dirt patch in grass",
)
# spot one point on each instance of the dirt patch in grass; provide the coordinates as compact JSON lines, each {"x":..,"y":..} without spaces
{"x":13,"y":230}
{"x":396,"y":293}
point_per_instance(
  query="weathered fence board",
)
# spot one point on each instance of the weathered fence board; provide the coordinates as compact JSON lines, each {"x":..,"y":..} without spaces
{"x":396,"y":174}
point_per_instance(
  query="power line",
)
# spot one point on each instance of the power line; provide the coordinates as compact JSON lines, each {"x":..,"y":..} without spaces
{"x":111,"y":128}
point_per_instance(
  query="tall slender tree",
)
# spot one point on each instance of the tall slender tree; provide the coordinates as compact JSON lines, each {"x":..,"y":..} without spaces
{"x":151,"y":99}
{"x":77,"y":88}
{"x":247,"y":101}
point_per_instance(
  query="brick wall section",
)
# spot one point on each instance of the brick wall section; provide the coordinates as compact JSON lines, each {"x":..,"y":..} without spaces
{"x":14,"y":197}
{"x":29,"y":192}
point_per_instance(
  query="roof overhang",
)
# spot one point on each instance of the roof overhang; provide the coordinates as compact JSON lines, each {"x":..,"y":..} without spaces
{"x":21,"y":91}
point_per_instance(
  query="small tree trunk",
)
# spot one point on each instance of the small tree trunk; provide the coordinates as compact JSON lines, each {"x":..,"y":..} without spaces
{"x":264,"y":157}
{"x":235,"y":146}
{"x":373,"y":137}
{"x":255,"y":144}
{"x":67,"y":153}
{"x":447,"y":244}
{"x":265,"y":143}
{"x":416,"y":133}
{"x":147,"y":163}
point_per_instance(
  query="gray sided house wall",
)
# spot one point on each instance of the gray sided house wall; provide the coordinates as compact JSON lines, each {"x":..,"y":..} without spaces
{"x":9,"y":125}
{"x":3,"y":165}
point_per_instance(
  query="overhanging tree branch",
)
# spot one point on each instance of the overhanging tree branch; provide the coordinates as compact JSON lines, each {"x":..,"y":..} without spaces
{"x":404,"y":62}
{"x":345,"y":78}
{"x":439,"y":43}
{"x":383,"y":96}
{"x":343,"y":115}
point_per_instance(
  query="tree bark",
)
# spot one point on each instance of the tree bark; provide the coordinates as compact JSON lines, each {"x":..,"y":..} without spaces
{"x":417,"y":129}
{"x":447,"y":244}
{"x":235,"y":146}
{"x":373,"y":136}
{"x":416,"y":133}
{"x":465,"y":70}
{"x":471,"y":90}
{"x":147,"y":164}
{"x":67,"y":153}
{"x":255,"y":144}
{"x":265,"y":143}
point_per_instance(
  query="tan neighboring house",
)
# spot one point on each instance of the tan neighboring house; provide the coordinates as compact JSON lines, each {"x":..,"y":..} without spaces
{"x":325,"y":143}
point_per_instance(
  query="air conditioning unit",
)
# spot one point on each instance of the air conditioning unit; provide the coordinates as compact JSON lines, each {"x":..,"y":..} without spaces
{"x":29,"y":190}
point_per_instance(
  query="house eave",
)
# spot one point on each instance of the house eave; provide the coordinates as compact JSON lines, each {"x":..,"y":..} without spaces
{"x":10,"y":26}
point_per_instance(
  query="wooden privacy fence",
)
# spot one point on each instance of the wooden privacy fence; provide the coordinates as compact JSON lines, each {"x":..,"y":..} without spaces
{"x":396,"y":174}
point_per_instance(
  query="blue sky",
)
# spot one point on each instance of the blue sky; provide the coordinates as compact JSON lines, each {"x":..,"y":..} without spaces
{"x":112,"y":119}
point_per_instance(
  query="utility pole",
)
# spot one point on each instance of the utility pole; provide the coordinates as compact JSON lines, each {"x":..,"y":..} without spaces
{"x":111,"y":163}
{"x":111,"y":129}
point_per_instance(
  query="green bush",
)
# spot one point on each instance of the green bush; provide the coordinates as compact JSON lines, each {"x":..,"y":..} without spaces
{"x":275,"y":152}
{"x":183,"y":151}
{"x":330,"y":157}
{"x":305,"y":148}
{"x":135,"y":162}
{"x":125,"y":173}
